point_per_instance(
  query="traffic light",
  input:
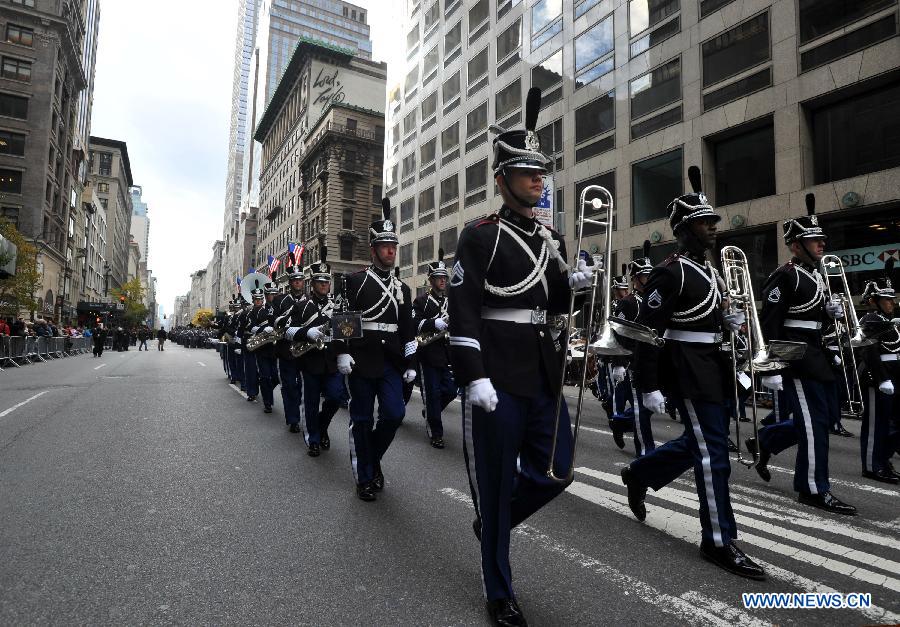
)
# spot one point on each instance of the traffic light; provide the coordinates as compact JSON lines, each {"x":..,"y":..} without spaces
{"x":98,"y":319}
{"x":122,"y":299}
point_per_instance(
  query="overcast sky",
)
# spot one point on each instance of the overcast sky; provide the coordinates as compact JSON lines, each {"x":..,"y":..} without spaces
{"x":163,"y":85}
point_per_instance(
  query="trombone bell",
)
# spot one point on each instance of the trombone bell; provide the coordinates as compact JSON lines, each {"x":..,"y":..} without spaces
{"x":607,"y":344}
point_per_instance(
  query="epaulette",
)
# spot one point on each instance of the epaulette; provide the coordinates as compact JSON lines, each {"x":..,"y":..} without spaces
{"x":491,"y":219}
{"x":668,"y":261}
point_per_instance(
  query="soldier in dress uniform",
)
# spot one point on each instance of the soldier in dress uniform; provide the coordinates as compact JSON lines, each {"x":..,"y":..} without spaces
{"x":882,"y":360}
{"x":431,"y":320}
{"x":377,"y":364}
{"x":622,"y":370}
{"x":235,"y":347}
{"x":265,"y":355}
{"x":510,"y":274}
{"x":248,"y":323}
{"x":795,"y":308}
{"x":321,"y":380}
{"x":683,"y":302}
{"x":289,"y":367}
{"x":621,"y":420}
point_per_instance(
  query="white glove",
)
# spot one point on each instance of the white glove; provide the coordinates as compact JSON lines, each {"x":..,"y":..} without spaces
{"x":440,"y":324}
{"x":582,"y":275}
{"x":237,"y":351}
{"x":409,"y":376}
{"x":314,"y":334}
{"x":617,"y":375}
{"x":773,"y":382}
{"x":886,"y":387}
{"x":237,"y":340}
{"x":655,"y":402}
{"x":837,"y":361}
{"x":834,"y":309}
{"x":268,"y":330}
{"x":735,"y":320}
{"x":481,"y":392}
{"x":345,"y":363}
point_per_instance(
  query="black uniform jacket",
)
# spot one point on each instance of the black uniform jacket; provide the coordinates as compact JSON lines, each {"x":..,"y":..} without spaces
{"x":502,"y":251}
{"x":315,"y":312}
{"x":683,"y":293}
{"x":240,"y":319}
{"x":795,"y":291}
{"x":283,"y":309}
{"x":888,"y":343}
{"x":259,"y":319}
{"x":381,"y":298}
{"x":626,"y":308}
{"x":426,"y":309}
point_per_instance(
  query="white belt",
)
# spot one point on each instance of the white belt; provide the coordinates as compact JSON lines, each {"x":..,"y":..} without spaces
{"x":380,"y":326}
{"x":520,"y":316}
{"x":803,"y":324}
{"x":890,"y":357}
{"x":700,"y":337}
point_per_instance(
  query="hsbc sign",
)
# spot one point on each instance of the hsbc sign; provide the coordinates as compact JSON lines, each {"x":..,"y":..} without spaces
{"x":869,"y":258}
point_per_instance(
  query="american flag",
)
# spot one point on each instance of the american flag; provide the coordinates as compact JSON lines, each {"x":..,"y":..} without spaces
{"x":273,"y":264}
{"x":238,"y":280}
{"x":295,"y":254}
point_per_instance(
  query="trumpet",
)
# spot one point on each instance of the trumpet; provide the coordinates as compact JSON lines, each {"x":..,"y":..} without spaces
{"x":257,"y":341}
{"x":763,"y":358}
{"x":848,"y":333}
{"x":298,"y":349}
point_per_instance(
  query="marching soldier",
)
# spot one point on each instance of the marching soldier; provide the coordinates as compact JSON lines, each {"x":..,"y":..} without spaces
{"x":621,"y":419}
{"x":320,"y":375}
{"x":794,"y":308}
{"x":235,"y":347}
{"x":432,"y":356}
{"x":683,"y":298}
{"x":289,"y":367}
{"x":623,"y":371}
{"x":377,"y":364}
{"x":882,"y":360}
{"x":510,"y":274}
{"x":265,"y":355}
{"x":248,"y":324}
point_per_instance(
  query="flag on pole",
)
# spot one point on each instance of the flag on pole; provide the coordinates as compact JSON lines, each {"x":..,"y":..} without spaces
{"x":273,"y":264}
{"x":238,"y":279}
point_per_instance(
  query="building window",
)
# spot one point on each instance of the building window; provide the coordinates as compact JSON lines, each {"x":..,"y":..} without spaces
{"x":391,"y":176}
{"x":820,"y":17}
{"x":432,"y":15}
{"x":429,"y":106}
{"x":476,"y":176}
{"x":395,"y":134}
{"x":645,"y":15}
{"x":347,"y":219}
{"x":412,"y":38}
{"x":430,"y":63}
{"x":24,"y":3}
{"x":12,"y":144}
{"x":409,"y":123}
{"x":509,"y":40}
{"x":453,"y":38}
{"x":551,"y":137}
{"x":428,"y":151}
{"x":450,"y":88}
{"x":11,"y":214}
{"x":595,"y":118}
{"x":594,"y":44}
{"x":476,"y":120}
{"x":449,"y":189}
{"x":761,"y":246}
{"x":548,"y":73}
{"x":376,"y":194}
{"x":346,"y":246}
{"x":351,"y":124}
{"x":349,"y":190}
{"x":105,"y":164}
{"x":857,"y":136}
{"x":412,"y":80}
{"x":409,"y":166}
{"x":103,"y":188}
{"x":10,"y":181}
{"x":406,"y":257}
{"x":741,"y":48}
{"x":656,"y":89}
{"x":425,"y":250}
{"x":654,"y":183}
{"x":478,"y":14}
{"x":450,"y":137}
{"x":607,"y":180}
{"x":447,"y":241}
{"x":407,"y":209}
{"x":13,"y":106}
{"x":16,"y":69}
{"x":426,"y":201}
{"x":19,"y":35}
{"x":745,"y":164}
{"x":544,"y":13}
{"x":478,"y":67}
{"x":508,"y":99}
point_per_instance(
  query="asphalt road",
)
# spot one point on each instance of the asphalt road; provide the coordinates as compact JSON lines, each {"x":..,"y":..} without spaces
{"x":141,"y":488}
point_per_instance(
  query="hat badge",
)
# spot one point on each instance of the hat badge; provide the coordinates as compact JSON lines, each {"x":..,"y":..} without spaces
{"x":441,"y":265}
{"x":702,"y":198}
{"x":388,"y":225}
{"x":532,"y":142}
{"x":814,"y":220}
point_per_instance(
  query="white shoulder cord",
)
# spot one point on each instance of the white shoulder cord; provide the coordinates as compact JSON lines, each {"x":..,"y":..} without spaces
{"x":816,"y":278}
{"x":710,"y":298}
{"x":536,"y":275}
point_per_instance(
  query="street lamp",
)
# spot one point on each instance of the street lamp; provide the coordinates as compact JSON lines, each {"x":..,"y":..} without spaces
{"x":106,"y":271}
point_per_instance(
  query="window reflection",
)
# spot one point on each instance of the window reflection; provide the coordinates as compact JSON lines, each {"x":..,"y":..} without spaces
{"x":594,"y":43}
{"x":543,"y":13}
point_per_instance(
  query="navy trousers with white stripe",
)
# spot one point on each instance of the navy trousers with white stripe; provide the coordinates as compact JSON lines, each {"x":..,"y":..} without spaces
{"x":235,"y":366}
{"x":811,"y":416}
{"x":643,"y":433}
{"x":265,"y":366}
{"x":703,"y":445}
{"x":327,"y":389}
{"x":874,"y":436}
{"x":291,"y":389}
{"x":438,"y":391}
{"x":507,"y":454}
{"x":251,"y":373}
{"x":369,"y":441}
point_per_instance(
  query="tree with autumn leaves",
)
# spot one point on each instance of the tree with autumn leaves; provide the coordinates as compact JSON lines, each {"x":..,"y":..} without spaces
{"x":17,"y":292}
{"x":135,"y":313}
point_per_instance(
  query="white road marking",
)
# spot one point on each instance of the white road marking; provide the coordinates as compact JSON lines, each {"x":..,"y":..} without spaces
{"x":690,"y":607}
{"x":690,"y":500}
{"x":235,"y":388}
{"x":17,"y":405}
{"x":100,"y":366}
{"x":202,"y":364}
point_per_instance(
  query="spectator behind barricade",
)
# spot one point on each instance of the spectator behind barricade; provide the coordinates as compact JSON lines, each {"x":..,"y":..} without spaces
{"x":4,"y":328}
{"x":17,"y":327}
{"x":88,"y":333}
{"x":40,"y":328}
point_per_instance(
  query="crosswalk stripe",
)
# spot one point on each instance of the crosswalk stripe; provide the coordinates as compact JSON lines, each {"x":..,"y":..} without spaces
{"x":690,"y":607}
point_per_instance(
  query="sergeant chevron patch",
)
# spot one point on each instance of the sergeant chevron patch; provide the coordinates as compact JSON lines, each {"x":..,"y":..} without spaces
{"x":458,"y":273}
{"x":654,"y":300}
{"x":775,"y":295}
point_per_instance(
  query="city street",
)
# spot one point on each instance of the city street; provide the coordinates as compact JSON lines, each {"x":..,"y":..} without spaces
{"x":144,"y":489}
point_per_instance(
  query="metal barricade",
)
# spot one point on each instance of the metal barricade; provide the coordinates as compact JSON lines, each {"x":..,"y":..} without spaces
{"x":17,"y":350}
{"x":31,"y":349}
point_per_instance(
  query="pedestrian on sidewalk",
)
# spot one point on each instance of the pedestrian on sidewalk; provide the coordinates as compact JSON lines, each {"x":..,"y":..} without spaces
{"x":99,"y":336}
{"x":143,"y":335}
{"x":161,"y":336}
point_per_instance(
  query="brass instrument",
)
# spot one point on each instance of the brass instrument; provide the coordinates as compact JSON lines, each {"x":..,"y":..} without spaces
{"x":263,"y":338}
{"x":848,"y":333}
{"x":763,"y":358}
{"x":430,"y":338}
{"x":301,"y":348}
